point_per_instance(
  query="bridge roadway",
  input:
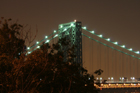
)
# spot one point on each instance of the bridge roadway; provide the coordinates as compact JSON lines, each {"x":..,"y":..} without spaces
{"x":119,"y":87}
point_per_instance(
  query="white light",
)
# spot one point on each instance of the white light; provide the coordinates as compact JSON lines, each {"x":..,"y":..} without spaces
{"x":54,"y":31}
{"x":97,"y":78}
{"x":46,"y":36}
{"x":133,"y":78}
{"x":108,"y":39}
{"x":111,"y":78}
{"x":61,"y":26}
{"x":123,"y":46}
{"x":89,"y":78}
{"x":38,"y":46}
{"x":74,"y":20}
{"x":92,"y":32}
{"x":100,"y":78}
{"x":84,"y":27}
{"x":130,"y":49}
{"x":37,"y":42}
{"x":72,"y":24}
{"x":116,"y":43}
{"x":100,"y":35}
{"x":122,"y":78}
{"x":56,"y":35}
{"x":29,"y":52}
{"x":65,"y":29}
{"x":28,"y":48}
{"x":18,"y":53}
{"x":47,"y":41}
{"x":137,"y":52}
{"x":40,"y":79}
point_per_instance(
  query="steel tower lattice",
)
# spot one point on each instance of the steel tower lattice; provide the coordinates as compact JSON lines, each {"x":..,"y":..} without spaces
{"x":72,"y":31}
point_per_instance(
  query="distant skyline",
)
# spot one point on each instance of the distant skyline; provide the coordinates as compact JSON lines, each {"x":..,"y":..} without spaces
{"x":115,"y":19}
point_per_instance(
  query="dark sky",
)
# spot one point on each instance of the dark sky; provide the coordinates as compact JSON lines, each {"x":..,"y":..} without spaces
{"x":116,"y":19}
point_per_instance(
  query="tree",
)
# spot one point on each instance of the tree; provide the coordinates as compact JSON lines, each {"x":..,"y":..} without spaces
{"x":10,"y":43}
{"x":44,"y":71}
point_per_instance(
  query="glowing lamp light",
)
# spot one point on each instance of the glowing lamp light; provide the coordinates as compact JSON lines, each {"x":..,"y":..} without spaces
{"x":72,"y":24}
{"x":47,"y":41}
{"x":46,"y":36}
{"x":109,"y":78}
{"x":137,"y":52}
{"x":74,"y":20}
{"x":54,"y":31}
{"x":130,"y":49}
{"x":100,"y":35}
{"x":115,"y":43}
{"x":108,"y":39}
{"x":112,"y":78}
{"x":100,"y":78}
{"x":61,"y":26}
{"x":97,"y":78}
{"x":29,"y":52}
{"x":56,"y":35}
{"x":92,"y":32}
{"x":28,"y":48}
{"x":123,"y":46}
{"x":37,"y":42}
{"x":84,"y":28}
{"x":65,"y":29}
{"x":38,"y":47}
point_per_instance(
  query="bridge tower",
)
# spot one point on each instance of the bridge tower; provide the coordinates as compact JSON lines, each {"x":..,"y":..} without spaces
{"x":72,"y":31}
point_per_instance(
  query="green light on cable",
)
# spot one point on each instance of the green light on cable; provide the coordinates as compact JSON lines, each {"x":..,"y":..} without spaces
{"x":84,"y":27}
{"x":61,"y":26}
{"x":37,"y":42}
{"x":28,"y":48}
{"x":47,"y":41}
{"x":137,"y":52}
{"x":29,"y":52}
{"x":72,"y":24}
{"x":100,"y":35}
{"x":108,"y":39}
{"x":54,"y":31}
{"x":123,"y":46}
{"x":38,"y":47}
{"x":115,"y":43}
{"x":130,"y":49}
{"x":92,"y":32}
{"x":46,"y":36}
{"x":56,"y":35}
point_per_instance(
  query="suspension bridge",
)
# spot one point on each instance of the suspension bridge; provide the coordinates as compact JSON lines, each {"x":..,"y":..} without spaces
{"x":119,"y":62}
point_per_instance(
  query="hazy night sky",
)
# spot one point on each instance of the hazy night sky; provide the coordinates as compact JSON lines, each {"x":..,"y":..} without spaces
{"x":116,"y":19}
